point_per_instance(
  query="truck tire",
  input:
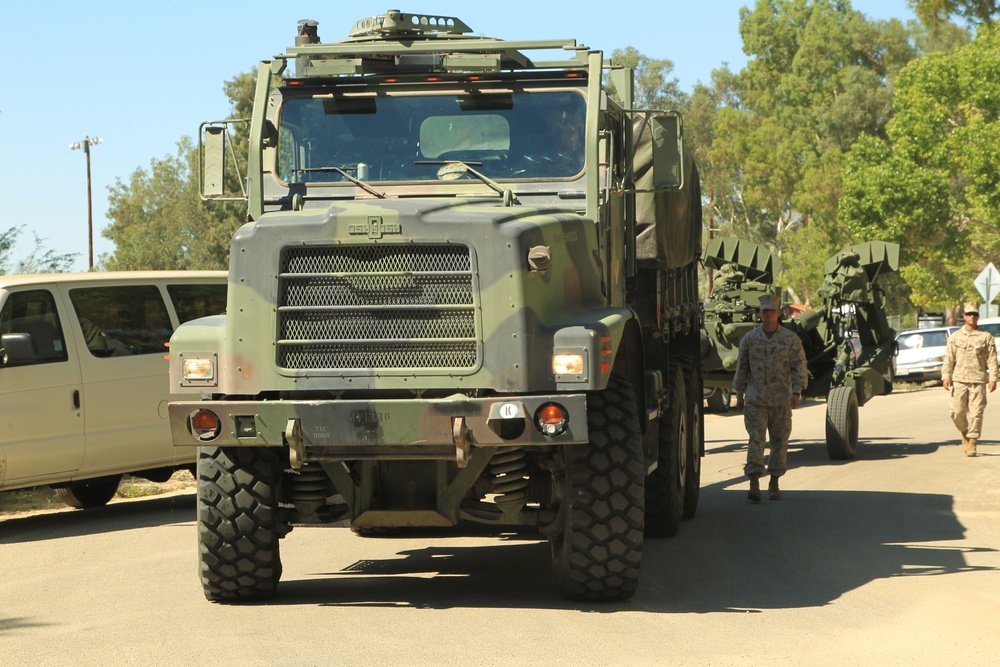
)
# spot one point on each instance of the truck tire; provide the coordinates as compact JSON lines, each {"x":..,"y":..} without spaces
{"x":842,"y":424}
{"x":238,"y":526}
{"x":95,"y":492}
{"x":665,"y":486}
{"x":596,"y":556}
{"x":696,"y":427}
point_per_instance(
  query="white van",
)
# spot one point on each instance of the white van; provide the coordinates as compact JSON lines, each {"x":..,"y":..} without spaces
{"x":83,"y":377}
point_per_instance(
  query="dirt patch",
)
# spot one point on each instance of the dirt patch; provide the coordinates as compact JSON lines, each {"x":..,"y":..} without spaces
{"x":41,"y":499}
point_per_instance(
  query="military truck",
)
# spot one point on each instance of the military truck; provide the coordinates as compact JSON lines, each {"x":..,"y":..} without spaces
{"x":466,"y":294}
{"x":848,"y":342}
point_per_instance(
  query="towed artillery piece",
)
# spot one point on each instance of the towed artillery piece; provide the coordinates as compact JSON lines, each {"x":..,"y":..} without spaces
{"x":848,"y":343}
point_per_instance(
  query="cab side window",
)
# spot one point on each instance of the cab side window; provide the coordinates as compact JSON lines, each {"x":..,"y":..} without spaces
{"x":33,"y":315}
{"x":192,"y":301}
{"x":122,"y":320}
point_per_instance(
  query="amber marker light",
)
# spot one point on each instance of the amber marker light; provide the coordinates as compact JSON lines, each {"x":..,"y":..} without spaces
{"x":605,"y":355}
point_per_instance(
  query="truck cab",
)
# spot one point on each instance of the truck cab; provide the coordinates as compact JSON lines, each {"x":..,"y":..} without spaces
{"x":468,"y":277}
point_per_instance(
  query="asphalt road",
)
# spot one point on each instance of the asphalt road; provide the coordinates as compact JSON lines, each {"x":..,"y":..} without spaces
{"x":890,"y":559}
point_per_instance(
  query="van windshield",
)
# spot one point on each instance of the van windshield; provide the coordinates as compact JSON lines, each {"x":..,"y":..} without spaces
{"x":406,"y":137}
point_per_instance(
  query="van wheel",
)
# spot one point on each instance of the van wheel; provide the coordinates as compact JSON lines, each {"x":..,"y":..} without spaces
{"x":238,"y":525}
{"x":597,"y":553}
{"x":95,"y":492}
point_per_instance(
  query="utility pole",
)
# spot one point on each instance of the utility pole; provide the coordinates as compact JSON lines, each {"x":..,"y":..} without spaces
{"x":85,"y":146}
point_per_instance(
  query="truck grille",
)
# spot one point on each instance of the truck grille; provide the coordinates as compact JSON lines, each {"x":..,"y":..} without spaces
{"x":376,"y":307}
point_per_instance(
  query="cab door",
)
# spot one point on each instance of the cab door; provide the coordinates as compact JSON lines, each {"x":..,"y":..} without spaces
{"x":41,"y":420}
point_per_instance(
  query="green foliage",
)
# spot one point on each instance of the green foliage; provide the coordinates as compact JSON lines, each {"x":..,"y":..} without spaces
{"x":38,"y":260}
{"x":819,"y":76}
{"x":933,"y":184}
{"x":653,"y":87}
{"x":158,"y":218}
{"x":936,"y":12}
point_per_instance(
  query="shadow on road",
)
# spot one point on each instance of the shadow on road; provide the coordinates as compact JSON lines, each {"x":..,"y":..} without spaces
{"x":822,"y":543}
{"x":144,"y":513}
{"x":810,"y":452}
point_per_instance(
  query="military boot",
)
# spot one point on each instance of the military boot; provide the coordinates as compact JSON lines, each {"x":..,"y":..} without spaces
{"x":754,"y":493}
{"x":971,"y":449}
{"x":773,"y":492}
{"x":965,"y":444}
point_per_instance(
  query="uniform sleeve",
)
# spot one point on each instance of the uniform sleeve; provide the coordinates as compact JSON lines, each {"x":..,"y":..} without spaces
{"x":799,"y":371}
{"x":742,"y":376}
{"x":991,"y":363}
{"x":949,"y":358}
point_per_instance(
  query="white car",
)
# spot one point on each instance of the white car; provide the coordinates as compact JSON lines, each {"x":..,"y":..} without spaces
{"x":992,"y":324}
{"x":921,"y":353}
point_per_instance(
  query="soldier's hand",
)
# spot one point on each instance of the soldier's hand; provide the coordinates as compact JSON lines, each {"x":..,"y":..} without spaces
{"x":795,"y":401}
{"x":993,"y":386}
{"x":947,"y":384}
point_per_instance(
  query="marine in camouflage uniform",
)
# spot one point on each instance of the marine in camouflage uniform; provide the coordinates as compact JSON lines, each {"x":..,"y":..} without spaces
{"x":770,"y":377}
{"x":970,"y":364}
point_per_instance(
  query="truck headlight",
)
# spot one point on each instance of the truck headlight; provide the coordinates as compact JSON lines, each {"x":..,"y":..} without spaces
{"x":567,"y":364}
{"x":198,"y":369}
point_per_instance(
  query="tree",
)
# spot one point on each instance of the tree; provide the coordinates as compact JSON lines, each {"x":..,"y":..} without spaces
{"x":654,"y":89}
{"x":39,"y":260}
{"x":937,"y":12}
{"x":158,"y":218}
{"x":820,"y":74}
{"x":933,"y":183}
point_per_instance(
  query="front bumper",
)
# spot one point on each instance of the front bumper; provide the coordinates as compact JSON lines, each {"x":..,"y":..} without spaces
{"x":412,"y":429}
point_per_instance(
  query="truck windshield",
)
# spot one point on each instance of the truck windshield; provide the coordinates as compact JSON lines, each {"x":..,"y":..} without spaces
{"x":406,"y":137}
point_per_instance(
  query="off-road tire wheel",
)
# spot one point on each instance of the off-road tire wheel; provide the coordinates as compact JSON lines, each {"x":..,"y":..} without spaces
{"x":695,"y":429}
{"x":596,"y":556}
{"x":842,"y":424}
{"x":238,"y":524}
{"x":90,"y":493}
{"x":665,"y":486}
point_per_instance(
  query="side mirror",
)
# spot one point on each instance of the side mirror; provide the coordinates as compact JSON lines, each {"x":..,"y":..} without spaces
{"x":16,"y":348}
{"x":213,"y":160}
{"x":668,"y":151}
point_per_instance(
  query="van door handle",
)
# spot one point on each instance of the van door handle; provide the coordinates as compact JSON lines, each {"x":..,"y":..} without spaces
{"x":76,"y":399}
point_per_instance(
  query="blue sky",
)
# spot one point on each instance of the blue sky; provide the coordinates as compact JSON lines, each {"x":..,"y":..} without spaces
{"x":141,"y":75}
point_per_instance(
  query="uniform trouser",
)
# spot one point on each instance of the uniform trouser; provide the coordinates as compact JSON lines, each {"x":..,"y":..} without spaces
{"x":762,"y":420}
{"x":967,"y":404}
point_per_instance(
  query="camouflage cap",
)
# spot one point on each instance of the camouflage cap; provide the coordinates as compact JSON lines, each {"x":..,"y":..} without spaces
{"x":770,"y":302}
{"x":971,"y":308}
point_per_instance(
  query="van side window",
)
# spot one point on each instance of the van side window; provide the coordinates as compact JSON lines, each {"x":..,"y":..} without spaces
{"x":33,"y":313}
{"x":122,"y":320}
{"x":194,"y":301}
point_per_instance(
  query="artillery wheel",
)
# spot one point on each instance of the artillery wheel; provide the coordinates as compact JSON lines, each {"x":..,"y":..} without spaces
{"x":695,"y":429}
{"x":597,"y":551}
{"x":842,"y":424}
{"x":719,"y":400}
{"x":665,"y":486}
{"x":238,"y":525}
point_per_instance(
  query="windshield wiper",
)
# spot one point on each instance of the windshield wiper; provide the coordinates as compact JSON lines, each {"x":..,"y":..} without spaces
{"x":343,"y":172}
{"x":453,"y":169}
